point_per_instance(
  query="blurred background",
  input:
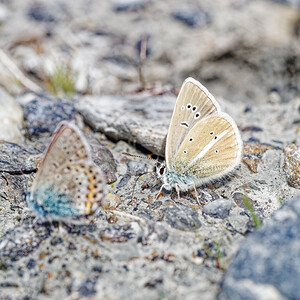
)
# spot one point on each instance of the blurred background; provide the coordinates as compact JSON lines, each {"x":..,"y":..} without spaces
{"x":242,"y":50}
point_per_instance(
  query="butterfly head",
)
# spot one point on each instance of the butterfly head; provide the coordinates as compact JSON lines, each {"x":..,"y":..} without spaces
{"x":172,"y":179}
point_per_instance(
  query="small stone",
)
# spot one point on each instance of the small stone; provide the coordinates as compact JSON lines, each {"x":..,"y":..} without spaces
{"x":118,"y":234}
{"x":31,"y":264}
{"x":87,"y":288}
{"x":136,"y":168}
{"x":192,"y":17}
{"x":291,"y":165}
{"x":182,"y":217}
{"x":218,"y":208}
{"x":40,"y":12}
{"x":111,"y":201}
{"x":239,"y":199}
{"x":125,"y":5}
{"x":253,"y":153}
{"x":123,"y":181}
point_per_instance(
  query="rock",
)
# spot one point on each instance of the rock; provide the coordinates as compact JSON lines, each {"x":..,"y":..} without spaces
{"x":291,"y":165}
{"x":125,"y":5}
{"x":11,"y":118}
{"x":253,"y":153}
{"x":44,"y":112}
{"x":41,"y":12}
{"x":268,"y":262}
{"x":182,"y":217}
{"x":136,"y":118}
{"x":16,"y":159}
{"x":219,"y":208}
{"x":136,"y":168}
{"x":193,"y":17}
{"x":111,"y":201}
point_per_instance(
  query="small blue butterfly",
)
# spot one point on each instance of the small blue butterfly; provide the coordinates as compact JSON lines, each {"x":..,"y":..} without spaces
{"x":203,"y":143}
{"x":68,"y":185}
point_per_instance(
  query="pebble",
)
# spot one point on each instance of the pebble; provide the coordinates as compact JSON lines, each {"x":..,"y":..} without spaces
{"x":111,"y":201}
{"x":126,"y":5}
{"x":136,"y":168}
{"x":192,"y":17}
{"x":291,"y":165}
{"x":219,"y":208}
{"x":253,"y":152}
{"x":182,"y":217}
{"x":40,"y":12}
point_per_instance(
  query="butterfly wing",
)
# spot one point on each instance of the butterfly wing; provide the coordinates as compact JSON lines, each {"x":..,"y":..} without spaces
{"x":67,"y":183}
{"x":194,"y":103}
{"x":211,"y":148}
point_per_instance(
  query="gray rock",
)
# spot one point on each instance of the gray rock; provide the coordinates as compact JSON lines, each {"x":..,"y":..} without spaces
{"x":144,"y":120}
{"x":125,"y":5}
{"x":267,"y":264}
{"x":218,"y":208}
{"x":194,"y":17}
{"x":44,"y":112}
{"x":182,"y":217}
{"x":16,"y":159}
{"x":136,"y":167}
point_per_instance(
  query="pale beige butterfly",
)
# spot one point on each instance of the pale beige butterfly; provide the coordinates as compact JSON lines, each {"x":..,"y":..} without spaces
{"x":203,"y":143}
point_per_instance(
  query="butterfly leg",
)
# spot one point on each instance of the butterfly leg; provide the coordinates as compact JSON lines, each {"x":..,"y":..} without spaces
{"x":196,"y":193}
{"x":178,"y":191}
{"x":157,"y":196}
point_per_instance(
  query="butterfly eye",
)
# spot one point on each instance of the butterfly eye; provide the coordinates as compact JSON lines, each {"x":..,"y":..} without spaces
{"x":217,"y":151}
{"x":162,"y":170}
{"x":211,"y":133}
{"x":197,"y":115}
{"x":194,"y":108}
{"x":184,"y":152}
{"x":189,"y":106}
{"x":216,"y":137}
{"x":191,"y":139}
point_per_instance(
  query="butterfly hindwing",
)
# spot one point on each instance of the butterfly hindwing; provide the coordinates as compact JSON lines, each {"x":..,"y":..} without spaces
{"x":210,"y":149}
{"x":67,"y":145}
{"x":194,"y":103}
{"x":67,"y":183}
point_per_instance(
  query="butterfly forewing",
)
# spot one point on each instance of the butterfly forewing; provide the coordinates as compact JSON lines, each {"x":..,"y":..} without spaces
{"x":210,"y":149}
{"x":194,"y":103}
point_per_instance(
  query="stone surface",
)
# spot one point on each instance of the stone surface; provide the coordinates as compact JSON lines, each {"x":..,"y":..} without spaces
{"x":126,"y":60}
{"x":268,"y":262}
{"x":292,"y":165}
{"x":194,"y":17}
{"x":11,"y":118}
{"x":218,"y":208}
{"x":43,"y":113}
{"x":143,"y":120}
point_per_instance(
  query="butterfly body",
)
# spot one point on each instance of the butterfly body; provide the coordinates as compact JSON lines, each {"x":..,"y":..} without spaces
{"x":68,"y":186}
{"x":203,"y":143}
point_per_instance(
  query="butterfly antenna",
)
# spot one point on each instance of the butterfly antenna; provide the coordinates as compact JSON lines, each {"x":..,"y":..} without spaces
{"x":140,"y":156}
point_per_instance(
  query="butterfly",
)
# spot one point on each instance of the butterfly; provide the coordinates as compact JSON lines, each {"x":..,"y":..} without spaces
{"x":203,"y":143}
{"x":68,"y":185}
